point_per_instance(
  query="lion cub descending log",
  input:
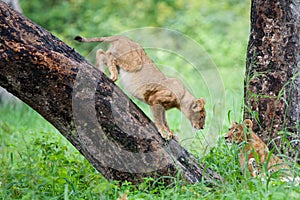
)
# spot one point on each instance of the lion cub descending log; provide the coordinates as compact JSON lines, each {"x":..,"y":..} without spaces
{"x":255,"y":152}
{"x":142,"y":79}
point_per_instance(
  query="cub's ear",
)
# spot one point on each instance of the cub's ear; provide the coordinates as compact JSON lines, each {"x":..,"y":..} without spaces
{"x":248,"y":123}
{"x":198,"y":104}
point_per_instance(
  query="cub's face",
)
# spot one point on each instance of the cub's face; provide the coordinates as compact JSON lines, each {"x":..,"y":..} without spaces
{"x":197,"y":114}
{"x":235,"y":134}
{"x":198,"y":119}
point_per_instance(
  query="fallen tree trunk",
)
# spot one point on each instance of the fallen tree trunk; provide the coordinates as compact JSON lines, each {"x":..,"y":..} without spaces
{"x":86,"y":107}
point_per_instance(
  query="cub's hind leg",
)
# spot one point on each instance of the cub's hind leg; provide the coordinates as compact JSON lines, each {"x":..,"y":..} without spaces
{"x":106,"y":58}
{"x":101,"y":60}
{"x":112,"y":66}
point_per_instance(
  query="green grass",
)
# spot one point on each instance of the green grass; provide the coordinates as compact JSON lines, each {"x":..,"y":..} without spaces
{"x":39,"y":163}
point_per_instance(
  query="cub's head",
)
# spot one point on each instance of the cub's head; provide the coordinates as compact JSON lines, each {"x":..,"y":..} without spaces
{"x":237,"y":132}
{"x":197,"y":113}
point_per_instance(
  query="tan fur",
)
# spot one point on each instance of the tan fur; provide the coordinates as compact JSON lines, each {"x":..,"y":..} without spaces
{"x":255,"y":152}
{"x":123,"y":197}
{"x":142,"y":79}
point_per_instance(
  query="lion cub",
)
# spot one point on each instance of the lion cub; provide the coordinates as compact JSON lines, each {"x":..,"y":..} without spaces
{"x":142,"y":79}
{"x":255,"y":152}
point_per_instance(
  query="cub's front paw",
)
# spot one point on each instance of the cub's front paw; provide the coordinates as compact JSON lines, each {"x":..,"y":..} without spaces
{"x":167,"y":134}
{"x":114,"y":77}
{"x":253,"y":167}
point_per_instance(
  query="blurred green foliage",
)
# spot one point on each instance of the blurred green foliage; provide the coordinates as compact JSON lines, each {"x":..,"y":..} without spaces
{"x":221,"y":27}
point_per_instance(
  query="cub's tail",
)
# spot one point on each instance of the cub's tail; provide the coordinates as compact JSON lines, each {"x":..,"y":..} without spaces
{"x":98,"y":39}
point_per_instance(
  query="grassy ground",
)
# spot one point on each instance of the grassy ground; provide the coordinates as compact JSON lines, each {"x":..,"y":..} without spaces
{"x":38,"y":163}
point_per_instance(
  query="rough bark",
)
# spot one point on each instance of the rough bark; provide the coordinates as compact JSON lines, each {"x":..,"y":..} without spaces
{"x":86,"y":107}
{"x":6,"y":97}
{"x":272,"y":84}
{"x":14,"y":4}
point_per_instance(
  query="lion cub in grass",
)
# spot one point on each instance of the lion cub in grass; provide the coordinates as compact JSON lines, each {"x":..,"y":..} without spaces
{"x":142,"y":79}
{"x":255,"y":153}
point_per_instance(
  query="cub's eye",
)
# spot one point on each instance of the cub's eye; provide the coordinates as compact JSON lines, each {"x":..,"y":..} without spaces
{"x":235,"y":130}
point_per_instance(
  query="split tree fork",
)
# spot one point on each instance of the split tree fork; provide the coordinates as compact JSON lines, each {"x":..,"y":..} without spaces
{"x":86,"y":107}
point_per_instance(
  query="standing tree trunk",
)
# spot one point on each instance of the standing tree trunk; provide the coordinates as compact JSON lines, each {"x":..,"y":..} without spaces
{"x":272,"y":84}
{"x":86,"y":107}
